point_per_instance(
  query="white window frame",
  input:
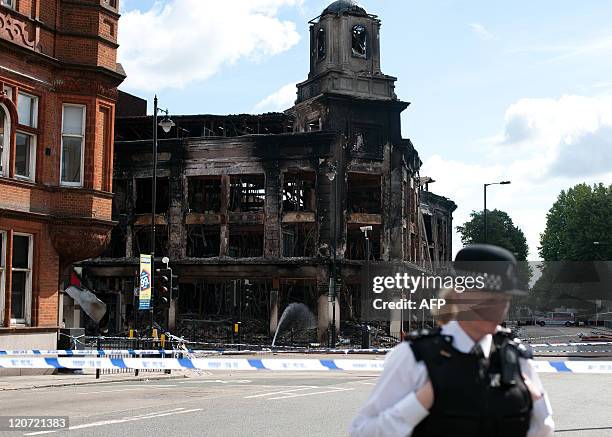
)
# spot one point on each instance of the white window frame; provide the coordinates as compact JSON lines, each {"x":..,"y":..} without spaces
{"x":34,"y":109}
{"x":28,"y":291}
{"x":6,"y":145}
{"x":3,"y":244}
{"x":32,"y":168}
{"x":82,"y":137}
{"x":8,"y":90}
{"x":8,"y":3}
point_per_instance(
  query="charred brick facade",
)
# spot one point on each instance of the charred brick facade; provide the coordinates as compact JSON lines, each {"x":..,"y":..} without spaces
{"x":253,"y":205}
{"x":58,"y":88}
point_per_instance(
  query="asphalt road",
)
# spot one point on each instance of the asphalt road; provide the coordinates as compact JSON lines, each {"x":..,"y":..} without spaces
{"x":555,"y":334}
{"x":263,"y":403}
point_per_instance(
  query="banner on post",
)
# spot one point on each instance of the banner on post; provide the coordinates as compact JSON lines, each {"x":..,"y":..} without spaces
{"x":144,"y":298}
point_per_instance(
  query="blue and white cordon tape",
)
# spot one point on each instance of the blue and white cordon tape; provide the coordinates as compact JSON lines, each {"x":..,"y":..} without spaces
{"x":187,"y":364}
{"x":257,"y":364}
{"x":137,"y":352}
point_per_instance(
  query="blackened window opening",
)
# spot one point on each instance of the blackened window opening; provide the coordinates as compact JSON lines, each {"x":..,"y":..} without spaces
{"x":142,"y":240}
{"x":203,"y":241}
{"x":299,"y":240}
{"x":204,"y":194}
{"x":364,"y":193}
{"x":356,"y":244}
{"x":247,"y":193}
{"x":246,"y":241}
{"x":321,"y":46}
{"x":144,"y":189}
{"x":359,"y":43}
{"x":298,"y":192}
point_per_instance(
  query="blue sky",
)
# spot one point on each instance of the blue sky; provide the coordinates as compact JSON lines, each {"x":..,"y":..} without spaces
{"x":513,"y":90}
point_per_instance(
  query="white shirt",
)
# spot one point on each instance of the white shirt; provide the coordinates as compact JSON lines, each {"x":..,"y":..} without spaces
{"x":393,"y":409}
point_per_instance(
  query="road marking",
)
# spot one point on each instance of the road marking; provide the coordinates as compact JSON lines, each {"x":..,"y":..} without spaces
{"x":140,"y":387}
{"x":115,"y":421}
{"x":308,"y":387}
{"x":220,"y":381}
{"x":310,"y":394}
{"x":148,"y":414}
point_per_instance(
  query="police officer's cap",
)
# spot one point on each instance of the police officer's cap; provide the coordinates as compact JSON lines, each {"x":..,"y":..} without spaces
{"x":495,"y":264}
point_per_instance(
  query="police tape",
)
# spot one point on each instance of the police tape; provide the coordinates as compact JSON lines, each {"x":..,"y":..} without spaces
{"x":598,"y":343}
{"x":257,"y":364}
{"x":171,"y":352}
{"x":102,"y":352}
{"x":137,"y":352}
{"x":572,"y":366}
{"x":190,"y":364}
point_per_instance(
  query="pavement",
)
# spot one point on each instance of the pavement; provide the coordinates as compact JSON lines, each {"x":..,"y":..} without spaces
{"x":85,"y":378}
{"x":254,"y":403}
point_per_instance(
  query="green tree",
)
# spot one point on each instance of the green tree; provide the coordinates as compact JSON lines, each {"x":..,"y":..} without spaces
{"x":578,"y":229}
{"x":579,"y":225}
{"x":501,"y":231}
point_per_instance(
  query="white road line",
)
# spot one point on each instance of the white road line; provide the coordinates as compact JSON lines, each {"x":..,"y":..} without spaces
{"x":149,"y":414}
{"x":142,"y":387}
{"x":308,"y":387}
{"x":222,"y":381}
{"x":310,"y":394}
{"x":107,"y":391}
{"x":115,"y":421}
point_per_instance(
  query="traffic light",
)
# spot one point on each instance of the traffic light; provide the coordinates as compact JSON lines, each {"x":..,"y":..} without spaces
{"x":249,"y":293}
{"x":174,"y":286}
{"x":163,"y":285}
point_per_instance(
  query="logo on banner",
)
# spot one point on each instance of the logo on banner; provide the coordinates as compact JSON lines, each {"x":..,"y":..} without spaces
{"x":144,"y":298}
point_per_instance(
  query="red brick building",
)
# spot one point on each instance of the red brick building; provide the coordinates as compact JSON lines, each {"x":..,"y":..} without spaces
{"x":58,"y":88}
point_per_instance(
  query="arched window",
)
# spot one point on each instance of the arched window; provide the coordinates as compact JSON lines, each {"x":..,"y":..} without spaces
{"x":321,"y":46}
{"x":359,"y":41}
{"x":5,"y":138}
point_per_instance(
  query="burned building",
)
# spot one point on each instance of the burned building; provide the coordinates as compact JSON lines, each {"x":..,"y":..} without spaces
{"x":251,"y":209}
{"x":437,"y":215}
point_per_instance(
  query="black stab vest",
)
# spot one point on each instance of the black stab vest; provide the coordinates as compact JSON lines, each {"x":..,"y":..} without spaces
{"x":473,"y":396}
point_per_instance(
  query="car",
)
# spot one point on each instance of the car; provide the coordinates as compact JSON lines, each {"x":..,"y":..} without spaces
{"x":556,"y":319}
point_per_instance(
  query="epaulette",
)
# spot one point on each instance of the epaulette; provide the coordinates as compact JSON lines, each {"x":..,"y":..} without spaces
{"x":422,"y":333}
{"x":524,"y":350}
{"x":505,"y":332}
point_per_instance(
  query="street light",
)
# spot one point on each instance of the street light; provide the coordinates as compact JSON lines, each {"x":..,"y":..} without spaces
{"x":166,"y":124}
{"x":485,"y":204}
{"x":331,"y":173}
{"x":365,"y":335}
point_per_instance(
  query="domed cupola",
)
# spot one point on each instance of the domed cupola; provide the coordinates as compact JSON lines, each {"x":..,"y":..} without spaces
{"x":341,"y":6}
{"x":345,"y":55}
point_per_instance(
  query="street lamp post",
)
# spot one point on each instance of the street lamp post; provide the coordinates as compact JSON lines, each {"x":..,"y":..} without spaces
{"x":485,"y":205}
{"x":166,"y":124}
{"x":332,"y":172}
{"x":365,"y":341}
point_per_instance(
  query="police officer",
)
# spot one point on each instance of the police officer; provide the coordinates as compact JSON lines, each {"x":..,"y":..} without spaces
{"x":468,"y":378}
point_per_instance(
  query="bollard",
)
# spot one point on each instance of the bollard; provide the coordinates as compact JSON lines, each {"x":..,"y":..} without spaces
{"x":98,"y":348}
{"x":137,"y":347}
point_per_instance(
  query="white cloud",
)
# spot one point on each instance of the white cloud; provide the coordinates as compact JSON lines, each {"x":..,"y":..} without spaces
{"x":547,"y":145}
{"x":172,"y":45}
{"x":279,"y":100}
{"x":561,"y":52}
{"x":480,"y":31}
{"x":569,"y":136}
